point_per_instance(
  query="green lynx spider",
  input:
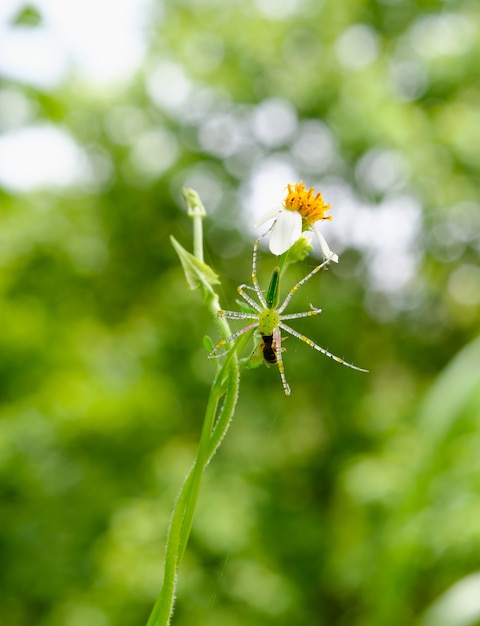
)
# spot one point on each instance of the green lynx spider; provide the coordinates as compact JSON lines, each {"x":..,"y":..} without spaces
{"x":269,"y":319}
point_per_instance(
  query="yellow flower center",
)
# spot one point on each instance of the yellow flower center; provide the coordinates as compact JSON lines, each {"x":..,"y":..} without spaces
{"x":311,"y":207}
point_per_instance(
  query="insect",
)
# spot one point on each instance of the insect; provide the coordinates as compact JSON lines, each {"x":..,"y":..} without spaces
{"x":267,"y":316}
{"x":268,"y":349}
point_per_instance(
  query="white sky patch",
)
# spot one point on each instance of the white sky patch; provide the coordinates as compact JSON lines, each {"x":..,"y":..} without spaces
{"x":386,"y":233}
{"x":274,"y":10}
{"x":357,"y":47}
{"x":391,"y":226}
{"x":382,"y":171}
{"x":267,"y":188}
{"x":222,"y":134}
{"x":314,"y":147}
{"x":154,"y":152}
{"x":40,"y":156}
{"x":274,"y":122}
{"x":459,"y":605}
{"x":409,"y":79}
{"x":447,"y":34}
{"x":32,"y":56}
{"x":169,"y":87}
{"x":102,"y":40}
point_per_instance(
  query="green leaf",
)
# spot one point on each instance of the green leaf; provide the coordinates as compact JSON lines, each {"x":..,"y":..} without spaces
{"x":208,"y":344}
{"x":198,"y":274}
{"x":256,"y":358}
{"x":27,"y":16}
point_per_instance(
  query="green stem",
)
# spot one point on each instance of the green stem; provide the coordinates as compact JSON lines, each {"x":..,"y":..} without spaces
{"x":182,"y":518}
{"x":197,"y":212}
{"x":198,"y":238}
{"x":213,"y":432}
{"x":216,"y":422}
{"x":196,"y":474}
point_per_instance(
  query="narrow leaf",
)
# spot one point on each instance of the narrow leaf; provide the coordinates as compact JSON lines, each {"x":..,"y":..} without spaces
{"x":197,"y":273}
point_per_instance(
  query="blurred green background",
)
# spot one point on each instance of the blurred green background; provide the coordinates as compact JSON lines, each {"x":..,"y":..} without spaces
{"x":355,"y":500}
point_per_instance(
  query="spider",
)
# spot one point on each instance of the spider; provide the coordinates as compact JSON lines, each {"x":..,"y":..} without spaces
{"x":268,"y":318}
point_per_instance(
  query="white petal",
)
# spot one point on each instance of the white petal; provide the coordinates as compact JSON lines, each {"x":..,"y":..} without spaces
{"x":285,"y":232}
{"x":269,"y":215}
{"x":327,"y":253}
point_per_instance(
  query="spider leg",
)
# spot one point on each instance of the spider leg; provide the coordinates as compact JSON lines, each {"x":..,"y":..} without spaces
{"x":234,"y":315}
{"x":295,"y":288}
{"x":256,"y":286}
{"x":223,"y":342}
{"x":313,"y":345}
{"x":248,"y":299}
{"x":278,"y":353}
{"x":295,"y":316}
{"x":250,"y":288}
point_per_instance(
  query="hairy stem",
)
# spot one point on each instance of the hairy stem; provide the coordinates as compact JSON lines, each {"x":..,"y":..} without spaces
{"x":218,"y":415}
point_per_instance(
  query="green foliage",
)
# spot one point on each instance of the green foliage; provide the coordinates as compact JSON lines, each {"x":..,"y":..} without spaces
{"x":355,"y":500}
{"x":198,"y":274}
{"x":28,"y":16}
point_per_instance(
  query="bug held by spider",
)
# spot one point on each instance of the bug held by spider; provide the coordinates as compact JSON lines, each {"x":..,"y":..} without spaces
{"x":268,"y":317}
{"x":269,"y":350}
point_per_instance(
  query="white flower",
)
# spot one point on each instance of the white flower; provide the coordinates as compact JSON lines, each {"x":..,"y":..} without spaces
{"x":300,"y":211}
{"x":286,"y":229}
{"x":327,"y":253}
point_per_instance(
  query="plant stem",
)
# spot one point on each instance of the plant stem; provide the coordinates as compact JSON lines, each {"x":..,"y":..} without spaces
{"x":182,"y":517}
{"x":216,"y":422}
{"x":197,"y":212}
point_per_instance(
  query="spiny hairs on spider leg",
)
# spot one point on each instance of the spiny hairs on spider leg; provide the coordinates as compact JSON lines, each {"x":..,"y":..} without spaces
{"x":268,"y":318}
